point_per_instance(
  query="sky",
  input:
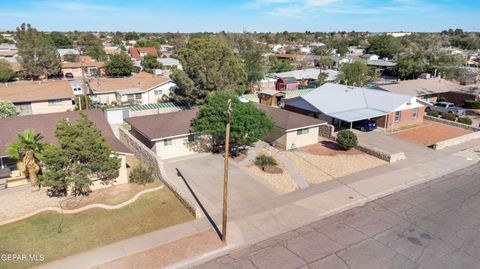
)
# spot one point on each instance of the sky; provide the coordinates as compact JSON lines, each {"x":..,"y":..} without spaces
{"x":242,"y":15}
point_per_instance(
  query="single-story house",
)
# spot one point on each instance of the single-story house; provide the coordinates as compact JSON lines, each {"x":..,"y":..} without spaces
{"x":170,"y":63}
{"x":45,"y":124}
{"x":337,"y":103}
{"x":91,"y":67}
{"x":141,"y":88}
{"x":38,"y":97}
{"x":169,"y":135}
{"x":286,"y":84}
{"x":63,"y":52}
{"x":139,"y":53}
{"x":305,"y":76}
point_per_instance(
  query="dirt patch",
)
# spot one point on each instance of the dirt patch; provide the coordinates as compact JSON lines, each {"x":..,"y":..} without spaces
{"x":272,"y":169}
{"x":328,"y":148}
{"x":240,"y":157}
{"x":430,"y":133}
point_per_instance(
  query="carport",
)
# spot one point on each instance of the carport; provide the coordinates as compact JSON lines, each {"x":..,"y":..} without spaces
{"x":352,"y":116}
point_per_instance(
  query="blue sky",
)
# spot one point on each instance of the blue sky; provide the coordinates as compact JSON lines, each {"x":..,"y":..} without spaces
{"x":240,"y":15}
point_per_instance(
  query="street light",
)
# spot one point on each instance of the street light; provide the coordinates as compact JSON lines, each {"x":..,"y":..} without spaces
{"x":225,"y":175}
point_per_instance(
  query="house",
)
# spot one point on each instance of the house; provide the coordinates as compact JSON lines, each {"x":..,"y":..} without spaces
{"x":63,"y":52}
{"x":139,"y":53}
{"x":426,"y":89}
{"x":337,"y":104}
{"x":91,"y":67}
{"x":169,"y":135}
{"x":45,"y":124}
{"x":141,"y":88}
{"x":286,"y":84}
{"x":270,"y":97}
{"x":111,"y":50}
{"x":39,"y":97}
{"x":292,"y":130}
{"x":8,"y":51}
{"x":170,"y":63}
{"x":370,"y":57}
{"x":309,"y":75}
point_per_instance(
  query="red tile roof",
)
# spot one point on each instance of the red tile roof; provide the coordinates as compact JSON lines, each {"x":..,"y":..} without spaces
{"x":136,"y":53}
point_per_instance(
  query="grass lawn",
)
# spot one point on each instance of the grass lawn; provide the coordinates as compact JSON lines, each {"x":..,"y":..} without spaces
{"x":90,"y":229}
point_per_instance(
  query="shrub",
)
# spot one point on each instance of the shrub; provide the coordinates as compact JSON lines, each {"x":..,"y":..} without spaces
{"x":465,"y":120}
{"x":347,"y":139}
{"x":142,"y":174}
{"x":433,"y":113}
{"x":263,"y":160}
{"x":441,"y":99}
{"x":472,"y":104}
{"x":449,"y":116}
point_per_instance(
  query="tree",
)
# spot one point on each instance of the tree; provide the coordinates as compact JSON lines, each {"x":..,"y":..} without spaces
{"x":142,"y":174}
{"x":38,"y":55}
{"x":119,"y":65}
{"x":81,"y":155}
{"x":150,"y":63}
{"x":252,"y":55}
{"x":347,"y":139}
{"x":92,"y":46}
{"x":70,"y":57}
{"x":61,"y":41}
{"x":186,"y":90}
{"x":357,"y":74}
{"x":131,"y":36}
{"x":80,"y":101}
{"x":212,"y":65}
{"x":384,"y":46}
{"x":97,"y":53}
{"x":27,"y":151}
{"x":248,"y":123}
{"x":411,"y":66}
{"x":6,"y":71}
{"x":279,"y":65}
{"x":8,"y":109}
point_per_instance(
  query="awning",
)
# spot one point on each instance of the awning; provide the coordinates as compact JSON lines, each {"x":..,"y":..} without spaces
{"x":358,"y":114}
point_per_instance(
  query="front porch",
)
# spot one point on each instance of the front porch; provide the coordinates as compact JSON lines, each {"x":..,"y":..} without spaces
{"x":9,"y":174}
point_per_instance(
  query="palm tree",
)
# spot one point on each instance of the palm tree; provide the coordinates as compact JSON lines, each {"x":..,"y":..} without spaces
{"x":26,"y":150}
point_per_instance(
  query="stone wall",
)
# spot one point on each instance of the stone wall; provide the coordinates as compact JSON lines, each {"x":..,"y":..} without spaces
{"x":148,"y":157}
{"x":453,"y":123}
{"x":326,"y":131}
{"x":457,"y":140}
{"x":382,"y":155}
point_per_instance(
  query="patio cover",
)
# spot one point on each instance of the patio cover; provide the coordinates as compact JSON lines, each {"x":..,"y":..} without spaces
{"x":357,"y":114}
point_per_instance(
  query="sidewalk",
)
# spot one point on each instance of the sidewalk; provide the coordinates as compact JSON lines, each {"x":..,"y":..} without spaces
{"x":272,"y":216}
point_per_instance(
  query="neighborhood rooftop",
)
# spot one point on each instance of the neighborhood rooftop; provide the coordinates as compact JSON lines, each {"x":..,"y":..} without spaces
{"x":27,"y":91}
{"x":288,"y":120}
{"x":46,"y":123}
{"x":141,"y":80}
{"x":309,"y":73}
{"x":418,"y":87}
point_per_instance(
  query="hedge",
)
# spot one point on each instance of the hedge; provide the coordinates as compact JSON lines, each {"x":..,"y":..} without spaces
{"x":472,"y":104}
{"x":449,"y":116}
{"x":465,"y":120}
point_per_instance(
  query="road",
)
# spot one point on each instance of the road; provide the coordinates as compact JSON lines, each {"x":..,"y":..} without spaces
{"x":433,"y":225}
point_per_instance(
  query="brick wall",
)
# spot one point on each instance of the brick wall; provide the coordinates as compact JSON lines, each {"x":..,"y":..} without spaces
{"x":406,"y":118}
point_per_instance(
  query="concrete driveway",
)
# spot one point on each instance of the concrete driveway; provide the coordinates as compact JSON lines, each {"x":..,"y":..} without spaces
{"x":204,"y":175}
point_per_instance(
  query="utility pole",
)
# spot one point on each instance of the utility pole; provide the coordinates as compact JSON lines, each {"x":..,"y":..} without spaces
{"x":225,"y":175}
{"x":320,"y":78}
{"x":85,"y":96}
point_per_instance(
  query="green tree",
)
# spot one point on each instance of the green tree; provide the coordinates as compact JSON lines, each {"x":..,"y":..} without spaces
{"x":186,"y":90}
{"x":81,"y":155}
{"x":70,"y":57}
{"x":6,"y":71}
{"x":92,"y":46}
{"x":27,"y":150}
{"x":131,"y":36}
{"x":38,"y":55}
{"x":61,"y":41}
{"x":80,"y":101}
{"x":150,"y":63}
{"x":212,"y":65}
{"x":384,"y":46}
{"x":8,"y":109}
{"x":357,"y":74}
{"x":252,"y":55}
{"x":279,"y":65}
{"x":119,"y":65}
{"x":411,"y":66}
{"x":248,"y":123}
{"x":97,"y":53}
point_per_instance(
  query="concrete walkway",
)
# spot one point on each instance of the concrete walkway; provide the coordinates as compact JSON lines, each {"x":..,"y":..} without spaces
{"x":253,"y":222}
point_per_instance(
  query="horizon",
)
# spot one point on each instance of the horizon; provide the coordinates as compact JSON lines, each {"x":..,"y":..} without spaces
{"x":261,"y":16}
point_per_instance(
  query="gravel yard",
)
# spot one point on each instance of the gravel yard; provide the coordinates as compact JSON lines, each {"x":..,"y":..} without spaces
{"x":430,"y":133}
{"x":18,"y":204}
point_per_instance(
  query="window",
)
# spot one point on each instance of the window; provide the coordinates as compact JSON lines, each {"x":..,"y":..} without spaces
{"x":415,"y":113}
{"x":158,"y":92}
{"x":194,"y":137}
{"x":397,"y":116}
{"x":25,"y":108}
{"x":167,"y":142}
{"x":302,"y":131}
{"x":55,"y":102}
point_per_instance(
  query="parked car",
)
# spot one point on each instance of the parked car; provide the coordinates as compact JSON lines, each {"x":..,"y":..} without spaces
{"x":446,"y":107}
{"x":365,"y":125}
{"x":69,"y":75}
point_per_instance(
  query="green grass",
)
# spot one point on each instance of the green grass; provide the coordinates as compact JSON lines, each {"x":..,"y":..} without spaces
{"x":90,"y":229}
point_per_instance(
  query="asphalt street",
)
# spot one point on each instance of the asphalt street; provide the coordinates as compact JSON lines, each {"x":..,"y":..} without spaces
{"x":433,"y":225}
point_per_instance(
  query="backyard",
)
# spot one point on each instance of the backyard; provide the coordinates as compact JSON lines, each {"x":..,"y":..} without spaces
{"x":53,"y":236}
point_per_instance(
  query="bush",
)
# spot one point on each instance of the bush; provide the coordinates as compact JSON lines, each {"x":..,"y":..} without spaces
{"x":449,"y":116}
{"x":472,"y":104}
{"x":465,"y":120}
{"x":433,"y":113}
{"x":441,"y":99}
{"x":142,"y":174}
{"x":347,"y":139}
{"x":263,"y":160}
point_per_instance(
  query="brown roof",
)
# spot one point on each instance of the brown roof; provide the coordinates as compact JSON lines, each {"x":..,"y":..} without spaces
{"x":420,"y":87}
{"x":136,"y":52}
{"x":27,"y":91}
{"x":289,"y":120}
{"x":45,"y":124}
{"x":141,"y":80}
{"x":156,"y":127}
{"x":79,"y":64}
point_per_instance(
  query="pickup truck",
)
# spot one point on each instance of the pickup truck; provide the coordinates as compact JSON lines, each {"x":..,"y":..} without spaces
{"x":446,"y":107}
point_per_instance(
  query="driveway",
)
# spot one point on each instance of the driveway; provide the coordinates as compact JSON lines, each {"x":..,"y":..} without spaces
{"x":204,"y":175}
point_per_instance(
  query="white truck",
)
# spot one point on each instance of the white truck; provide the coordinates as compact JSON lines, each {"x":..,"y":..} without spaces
{"x":446,"y":107}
